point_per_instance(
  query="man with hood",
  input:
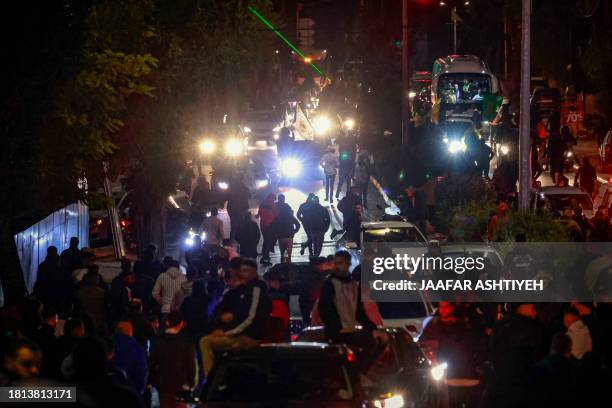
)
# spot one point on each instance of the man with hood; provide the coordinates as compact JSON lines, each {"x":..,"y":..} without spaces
{"x":166,"y":287}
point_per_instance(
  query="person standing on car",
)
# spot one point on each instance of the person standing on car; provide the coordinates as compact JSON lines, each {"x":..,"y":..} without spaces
{"x":330,"y":164}
{"x":267,"y":213}
{"x":586,"y":175}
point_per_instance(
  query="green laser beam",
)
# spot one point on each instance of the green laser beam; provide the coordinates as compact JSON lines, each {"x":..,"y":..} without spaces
{"x":282,"y":37}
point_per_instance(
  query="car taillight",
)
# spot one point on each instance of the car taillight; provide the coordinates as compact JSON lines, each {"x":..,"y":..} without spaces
{"x":350,"y":356}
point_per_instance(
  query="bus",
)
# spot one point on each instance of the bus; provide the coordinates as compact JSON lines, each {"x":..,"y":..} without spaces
{"x":459,"y":84}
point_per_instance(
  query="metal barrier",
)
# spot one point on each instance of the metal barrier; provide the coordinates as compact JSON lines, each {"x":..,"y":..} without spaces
{"x":56,"y":229}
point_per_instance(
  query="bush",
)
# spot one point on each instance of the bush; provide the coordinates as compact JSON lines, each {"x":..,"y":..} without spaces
{"x":537,"y":227}
{"x":460,"y":193}
{"x":469,"y":221}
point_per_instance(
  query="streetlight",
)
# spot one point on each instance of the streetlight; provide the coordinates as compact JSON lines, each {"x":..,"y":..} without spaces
{"x":455,"y":18}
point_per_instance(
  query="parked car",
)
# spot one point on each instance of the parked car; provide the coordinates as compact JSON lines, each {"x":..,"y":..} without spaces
{"x":294,"y":375}
{"x":402,"y":366}
{"x":560,"y":198}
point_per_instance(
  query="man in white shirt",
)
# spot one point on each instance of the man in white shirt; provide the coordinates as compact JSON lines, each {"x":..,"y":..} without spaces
{"x":330,"y":164}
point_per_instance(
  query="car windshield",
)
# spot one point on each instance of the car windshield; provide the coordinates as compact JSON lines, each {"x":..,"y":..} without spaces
{"x":463,"y":88}
{"x":559,"y":202}
{"x":281,"y":380}
{"x":261,"y":116}
{"x":392,"y":235}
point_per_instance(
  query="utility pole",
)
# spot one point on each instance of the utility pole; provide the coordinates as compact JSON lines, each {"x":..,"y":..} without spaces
{"x":454,"y":13}
{"x":525,"y":126}
{"x":405,"y":78}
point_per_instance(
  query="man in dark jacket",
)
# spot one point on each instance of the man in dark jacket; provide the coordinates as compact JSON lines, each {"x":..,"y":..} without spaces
{"x":285,"y":226}
{"x":303,"y":214}
{"x":247,"y":236}
{"x":237,"y":204}
{"x":352,"y":225}
{"x":130,"y":356}
{"x":172,"y":361}
{"x":341,"y":310}
{"x":318,"y":221}
{"x":149,"y":264}
{"x":243,"y":319}
{"x":49,"y":279}
{"x":346,"y":206}
{"x":586,"y":175}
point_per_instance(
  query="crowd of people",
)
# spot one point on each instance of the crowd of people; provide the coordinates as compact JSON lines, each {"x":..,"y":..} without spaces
{"x":522,"y":354}
{"x":154,"y":326}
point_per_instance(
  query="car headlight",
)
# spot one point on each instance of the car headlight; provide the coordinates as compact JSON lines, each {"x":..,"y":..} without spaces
{"x":438,"y":371}
{"x":223,"y":185}
{"x":349,"y":124}
{"x":321,"y":125}
{"x":504,"y":149}
{"x":456,"y":146}
{"x":233,"y":147}
{"x":189,"y":241}
{"x":207,"y":146}
{"x":390,"y":401}
{"x":246,"y":129}
{"x":291,"y":167}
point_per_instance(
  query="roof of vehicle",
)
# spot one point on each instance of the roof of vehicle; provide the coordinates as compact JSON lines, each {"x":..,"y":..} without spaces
{"x":469,"y":247}
{"x":305,"y":350}
{"x":386,"y":224}
{"x":461,"y":64}
{"x":553,"y":190}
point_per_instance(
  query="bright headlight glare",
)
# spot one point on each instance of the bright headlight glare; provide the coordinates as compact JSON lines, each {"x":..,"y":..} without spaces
{"x":223,"y":185}
{"x":189,"y":241}
{"x":233,"y":147}
{"x":349,"y":123}
{"x":321,"y":125}
{"x":504,"y":149}
{"x":291,"y":167}
{"x":438,"y":371}
{"x":207,"y":146}
{"x":392,"y":401}
{"x":456,"y":146}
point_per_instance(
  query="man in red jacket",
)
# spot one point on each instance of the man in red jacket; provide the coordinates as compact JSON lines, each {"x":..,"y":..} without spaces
{"x":267,"y":214}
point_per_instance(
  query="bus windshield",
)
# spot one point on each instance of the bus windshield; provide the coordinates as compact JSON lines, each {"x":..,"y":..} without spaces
{"x":463,"y":88}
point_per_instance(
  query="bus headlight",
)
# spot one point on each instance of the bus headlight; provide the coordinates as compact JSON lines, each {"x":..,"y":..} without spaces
{"x":233,"y":147}
{"x":291,"y":167}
